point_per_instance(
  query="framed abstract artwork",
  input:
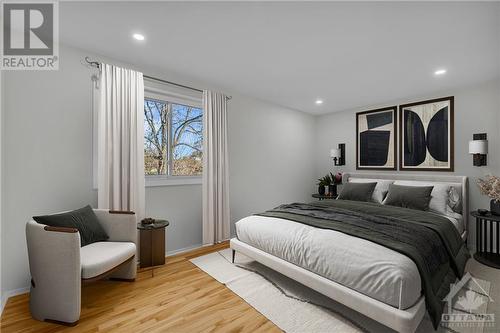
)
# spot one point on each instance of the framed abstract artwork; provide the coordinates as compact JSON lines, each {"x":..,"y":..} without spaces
{"x":376,"y":132}
{"x":426,"y":139}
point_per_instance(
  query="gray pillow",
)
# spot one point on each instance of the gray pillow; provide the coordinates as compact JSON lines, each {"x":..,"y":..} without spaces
{"x":83,"y":219}
{"x":357,"y":191}
{"x":413,"y":197}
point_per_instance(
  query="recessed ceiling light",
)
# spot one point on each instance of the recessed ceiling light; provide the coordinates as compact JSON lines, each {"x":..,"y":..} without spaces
{"x":138,"y":36}
{"x":319,"y":101}
{"x":440,"y":72}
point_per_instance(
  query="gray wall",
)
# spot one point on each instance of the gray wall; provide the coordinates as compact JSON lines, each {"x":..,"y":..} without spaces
{"x":181,"y":205}
{"x":271,"y":159}
{"x":477,"y":110}
{"x":47,"y":155}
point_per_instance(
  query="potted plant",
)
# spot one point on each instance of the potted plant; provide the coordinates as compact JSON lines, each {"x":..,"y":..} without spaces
{"x":490,"y":186}
{"x":323,"y":184}
{"x":334,"y":181}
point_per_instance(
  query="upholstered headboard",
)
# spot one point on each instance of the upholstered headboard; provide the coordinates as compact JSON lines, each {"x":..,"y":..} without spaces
{"x":460,"y":183}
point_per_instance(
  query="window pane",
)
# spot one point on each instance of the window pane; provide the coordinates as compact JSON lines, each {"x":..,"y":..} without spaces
{"x":187,"y":140}
{"x":155,"y":137}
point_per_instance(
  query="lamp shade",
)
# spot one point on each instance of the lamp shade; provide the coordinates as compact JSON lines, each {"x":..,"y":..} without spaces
{"x":478,"y":147}
{"x":335,"y":153}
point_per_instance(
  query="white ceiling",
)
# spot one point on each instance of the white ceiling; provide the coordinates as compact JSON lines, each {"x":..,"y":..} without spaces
{"x":348,"y":54}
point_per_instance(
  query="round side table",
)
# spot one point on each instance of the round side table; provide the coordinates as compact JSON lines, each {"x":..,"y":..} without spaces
{"x":487,"y":235}
{"x":323,"y":196}
{"x":152,"y":244}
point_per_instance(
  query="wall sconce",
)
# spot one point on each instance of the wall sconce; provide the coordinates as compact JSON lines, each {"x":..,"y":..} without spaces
{"x":478,"y":147}
{"x":338,"y":155}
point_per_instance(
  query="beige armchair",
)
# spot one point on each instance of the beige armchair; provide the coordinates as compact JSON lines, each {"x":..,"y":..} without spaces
{"x":59,"y":266}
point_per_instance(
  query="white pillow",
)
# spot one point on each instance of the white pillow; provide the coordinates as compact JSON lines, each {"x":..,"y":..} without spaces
{"x":456,"y":219}
{"x":454,"y":200}
{"x":439,"y":195}
{"x":380,"y":190}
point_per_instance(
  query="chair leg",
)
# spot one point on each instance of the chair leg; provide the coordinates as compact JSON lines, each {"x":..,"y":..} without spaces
{"x":127,"y":273}
{"x":234,"y":253}
{"x":61,"y":322}
{"x":122,"y":280}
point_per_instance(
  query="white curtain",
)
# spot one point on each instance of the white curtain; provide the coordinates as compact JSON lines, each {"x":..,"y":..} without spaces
{"x":216,"y":226}
{"x":120,"y":161}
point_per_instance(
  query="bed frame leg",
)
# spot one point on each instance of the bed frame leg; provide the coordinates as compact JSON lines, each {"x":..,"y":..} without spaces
{"x":234,"y":253}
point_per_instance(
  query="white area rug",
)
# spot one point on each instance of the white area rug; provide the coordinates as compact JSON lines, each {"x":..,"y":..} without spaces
{"x":297,"y":309}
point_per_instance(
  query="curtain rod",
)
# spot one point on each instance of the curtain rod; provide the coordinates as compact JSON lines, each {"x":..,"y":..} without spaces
{"x":98,"y":65}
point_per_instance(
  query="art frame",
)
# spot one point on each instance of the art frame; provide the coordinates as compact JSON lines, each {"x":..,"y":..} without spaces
{"x":371,"y":159}
{"x":433,"y":132}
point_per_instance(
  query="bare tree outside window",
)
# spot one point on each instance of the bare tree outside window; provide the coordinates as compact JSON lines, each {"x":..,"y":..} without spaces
{"x":173,"y":139}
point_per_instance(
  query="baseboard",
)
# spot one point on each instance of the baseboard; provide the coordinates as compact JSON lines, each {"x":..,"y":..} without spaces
{"x":11,"y":293}
{"x":184,"y":249}
{"x":190,"y":248}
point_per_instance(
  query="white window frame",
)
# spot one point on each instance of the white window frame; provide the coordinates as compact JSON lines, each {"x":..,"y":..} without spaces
{"x":177,"y":98}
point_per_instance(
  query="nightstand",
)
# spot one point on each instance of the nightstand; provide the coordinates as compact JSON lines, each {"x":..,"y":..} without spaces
{"x":152,"y":244}
{"x":487,"y":234}
{"x":324,"y":196}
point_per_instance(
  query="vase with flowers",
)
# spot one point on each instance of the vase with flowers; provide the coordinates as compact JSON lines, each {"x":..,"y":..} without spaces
{"x":336,"y":179}
{"x":490,"y":186}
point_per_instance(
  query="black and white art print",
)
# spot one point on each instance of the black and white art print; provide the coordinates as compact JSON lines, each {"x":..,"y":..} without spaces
{"x":426,"y":141}
{"x":376,"y":139}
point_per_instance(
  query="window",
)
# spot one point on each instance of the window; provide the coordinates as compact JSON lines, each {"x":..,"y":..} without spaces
{"x":173,"y":139}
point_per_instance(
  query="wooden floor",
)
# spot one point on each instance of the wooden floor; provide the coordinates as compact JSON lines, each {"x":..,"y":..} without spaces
{"x":179,"y":298}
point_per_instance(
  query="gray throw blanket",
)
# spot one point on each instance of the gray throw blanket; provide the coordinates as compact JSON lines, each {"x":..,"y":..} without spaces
{"x":431,"y":241}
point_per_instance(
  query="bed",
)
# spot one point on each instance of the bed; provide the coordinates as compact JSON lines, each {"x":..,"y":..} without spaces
{"x":380,"y":282}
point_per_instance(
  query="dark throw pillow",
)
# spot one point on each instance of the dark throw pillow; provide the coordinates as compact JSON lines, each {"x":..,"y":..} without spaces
{"x":413,"y":197}
{"x":357,"y":191}
{"x":83,"y":219}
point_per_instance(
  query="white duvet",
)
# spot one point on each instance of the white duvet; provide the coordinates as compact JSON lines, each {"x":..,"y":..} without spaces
{"x":364,"y":266}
